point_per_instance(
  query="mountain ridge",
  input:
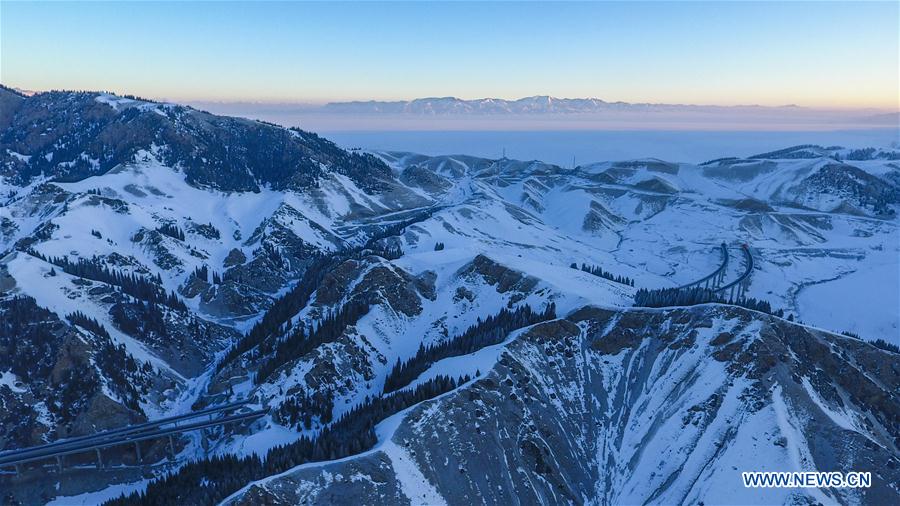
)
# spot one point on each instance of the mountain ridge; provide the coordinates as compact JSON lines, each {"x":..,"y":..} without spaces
{"x":446,"y":444}
{"x":537,"y":104}
{"x":89,"y":133}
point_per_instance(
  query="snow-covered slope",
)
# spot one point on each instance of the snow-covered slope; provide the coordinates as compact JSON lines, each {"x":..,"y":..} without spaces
{"x":221,"y":259}
{"x":632,"y":407}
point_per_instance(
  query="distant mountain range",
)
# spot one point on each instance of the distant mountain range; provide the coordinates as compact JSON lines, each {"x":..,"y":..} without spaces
{"x":541,"y":104}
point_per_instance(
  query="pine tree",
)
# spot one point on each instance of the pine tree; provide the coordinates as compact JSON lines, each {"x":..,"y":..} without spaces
{"x":490,"y":331}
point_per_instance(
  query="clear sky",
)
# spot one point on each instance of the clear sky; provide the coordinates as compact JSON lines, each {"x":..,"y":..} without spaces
{"x":831,"y":54}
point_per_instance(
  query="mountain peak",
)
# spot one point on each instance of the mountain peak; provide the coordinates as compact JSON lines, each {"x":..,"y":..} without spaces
{"x":220,"y":152}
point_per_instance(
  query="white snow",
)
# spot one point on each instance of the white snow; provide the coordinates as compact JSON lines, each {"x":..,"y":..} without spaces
{"x":797,"y":445}
{"x":8,"y":379}
{"x":259,"y":443}
{"x":841,"y":419}
{"x":114,"y":101}
{"x":19,"y":156}
{"x":414,"y":484}
{"x":873,"y":310}
{"x":94,"y":498}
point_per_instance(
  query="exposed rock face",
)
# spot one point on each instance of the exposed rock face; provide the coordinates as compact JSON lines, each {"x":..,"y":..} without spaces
{"x":657,"y":185}
{"x":102,"y":414}
{"x":336,"y":283}
{"x":600,"y":219}
{"x":611,"y":407}
{"x":502,"y":277}
{"x":395,"y":286}
{"x":235,"y":257}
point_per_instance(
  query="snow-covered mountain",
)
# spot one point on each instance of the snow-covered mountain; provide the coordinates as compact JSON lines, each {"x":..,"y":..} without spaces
{"x":541,"y":104}
{"x":415,"y":327}
{"x":630,"y":407}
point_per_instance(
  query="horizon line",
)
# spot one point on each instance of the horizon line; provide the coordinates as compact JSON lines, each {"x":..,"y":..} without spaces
{"x":321,"y":103}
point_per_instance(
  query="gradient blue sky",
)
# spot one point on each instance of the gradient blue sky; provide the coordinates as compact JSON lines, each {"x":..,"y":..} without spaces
{"x":831,"y":54}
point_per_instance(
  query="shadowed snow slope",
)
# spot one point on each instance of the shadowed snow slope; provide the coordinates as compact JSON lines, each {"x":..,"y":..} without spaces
{"x":630,"y":407}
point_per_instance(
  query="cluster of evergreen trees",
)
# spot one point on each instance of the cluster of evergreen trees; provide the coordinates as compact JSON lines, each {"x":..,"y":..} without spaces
{"x":210,"y":480}
{"x":492,"y":330}
{"x":271,"y":252}
{"x":598,"y":271}
{"x":870,"y":154}
{"x":792,"y":152}
{"x":171,"y":230}
{"x":202,"y":273}
{"x":69,"y":396}
{"x":29,"y":350}
{"x":115,"y":361}
{"x":274,"y":321}
{"x":300,"y":341}
{"x":139,"y":98}
{"x":85,"y":321}
{"x":384,"y":251}
{"x":878,"y":343}
{"x":665,"y":297}
{"x":139,"y":318}
{"x":300,"y":409}
{"x":31,"y":343}
{"x":859,"y":154}
{"x":122,"y":371}
{"x":208,"y":230}
{"x":884,"y":345}
{"x":439,"y":246}
{"x":139,"y":287}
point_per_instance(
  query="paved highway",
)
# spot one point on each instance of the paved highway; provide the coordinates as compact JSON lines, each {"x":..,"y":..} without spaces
{"x":132,"y":434}
{"x":716,"y":276}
